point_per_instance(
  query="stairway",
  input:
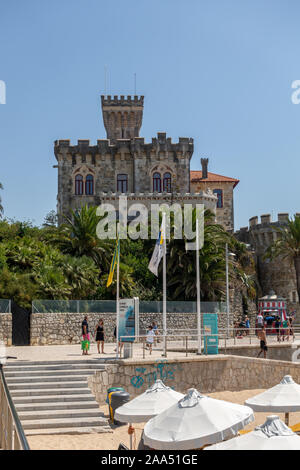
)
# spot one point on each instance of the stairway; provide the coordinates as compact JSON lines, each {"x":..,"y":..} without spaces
{"x":54,"y":397}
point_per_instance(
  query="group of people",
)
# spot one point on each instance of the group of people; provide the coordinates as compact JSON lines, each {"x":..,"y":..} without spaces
{"x":284,"y":329}
{"x":86,"y":338}
{"x":151,"y":339}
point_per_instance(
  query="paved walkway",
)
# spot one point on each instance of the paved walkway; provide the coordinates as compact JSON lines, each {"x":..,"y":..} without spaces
{"x":73,"y":352}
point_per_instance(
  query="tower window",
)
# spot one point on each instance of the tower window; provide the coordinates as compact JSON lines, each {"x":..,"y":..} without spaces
{"x":89,"y":185}
{"x":122,"y":183}
{"x":219,"y":194}
{"x":78,"y":185}
{"x":156,"y":183}
{"x":167,"y":182}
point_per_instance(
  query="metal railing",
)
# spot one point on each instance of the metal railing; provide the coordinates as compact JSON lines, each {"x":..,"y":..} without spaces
{"x":186,"y":341}
{"x":12,"y":436}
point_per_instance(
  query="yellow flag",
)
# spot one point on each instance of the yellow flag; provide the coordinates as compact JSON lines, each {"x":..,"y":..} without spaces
{"x":113,"y":263}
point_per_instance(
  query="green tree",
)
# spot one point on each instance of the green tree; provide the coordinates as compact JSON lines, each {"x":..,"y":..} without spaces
{"x":77,"y":237}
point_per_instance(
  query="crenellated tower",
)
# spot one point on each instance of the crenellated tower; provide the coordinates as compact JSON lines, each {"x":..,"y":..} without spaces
{"x":122,"y":116}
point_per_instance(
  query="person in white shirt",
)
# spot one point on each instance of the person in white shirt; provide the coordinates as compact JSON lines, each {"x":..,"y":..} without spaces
{"x":150,"y":338}
{"x":259,"y":320}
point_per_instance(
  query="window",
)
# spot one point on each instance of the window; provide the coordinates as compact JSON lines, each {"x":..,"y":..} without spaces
{"x":89,"y":185}
{"x":122,"y":183}
{"x":219,"y":194}
{"x":167,"y":182}
{"x":78,"y":185}
{"x":156,"y":183}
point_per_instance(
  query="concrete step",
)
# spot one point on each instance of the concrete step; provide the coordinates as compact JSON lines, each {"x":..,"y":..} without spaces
{"x":64,"y":423}
{"x":66,"y":430}
{"x":58,"y":367}
{"x":49,"y":373}
{"x":47,"y":385}
{"x":59,"y":414}
{"x":54,"y":379}
{"x":84,"y":398}
{"x":53,"y":391}
{"x":60,"y":405}
{"x":55,"y":363}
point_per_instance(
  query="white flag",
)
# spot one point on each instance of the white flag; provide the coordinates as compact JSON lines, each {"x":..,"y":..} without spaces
{"x":157,"y":254}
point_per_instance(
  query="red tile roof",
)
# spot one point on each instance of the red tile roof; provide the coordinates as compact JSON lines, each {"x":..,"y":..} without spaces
{"x":196,"y":177}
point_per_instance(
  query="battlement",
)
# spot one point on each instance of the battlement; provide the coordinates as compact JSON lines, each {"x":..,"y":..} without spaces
{"x":116,"y":100}
{"x":261,"y":235}
{"x":137,"y":144}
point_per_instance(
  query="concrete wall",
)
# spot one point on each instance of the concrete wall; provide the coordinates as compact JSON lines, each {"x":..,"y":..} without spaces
{"x":207,"y":374}
{"x":6,"y":328}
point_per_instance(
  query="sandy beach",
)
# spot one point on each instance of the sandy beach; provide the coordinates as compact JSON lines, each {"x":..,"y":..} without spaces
{"x":110,"y":441}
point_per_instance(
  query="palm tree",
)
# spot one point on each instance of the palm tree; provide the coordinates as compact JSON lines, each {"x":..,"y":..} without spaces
{"x":287,"y":246}
{"x":181,"y":264}
{"x":77,"y":237}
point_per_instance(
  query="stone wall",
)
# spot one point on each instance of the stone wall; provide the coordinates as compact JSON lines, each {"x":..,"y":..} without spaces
{"x":278,"y":275}
{"x":6,"y":328}
{"x":65,"y":328}
{"x":207,"y":374}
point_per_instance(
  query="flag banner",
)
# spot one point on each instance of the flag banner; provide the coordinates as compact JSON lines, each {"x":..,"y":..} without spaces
{"x":113,"y":263}
{"x":157,"y":254}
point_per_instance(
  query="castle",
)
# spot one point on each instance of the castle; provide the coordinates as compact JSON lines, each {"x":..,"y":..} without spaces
{"x":147,"y":173}
{"x":278,"y":275}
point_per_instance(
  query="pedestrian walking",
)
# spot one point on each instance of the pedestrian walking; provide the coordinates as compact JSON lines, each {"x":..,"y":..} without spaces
{"x":150,"y":338}
{"x":263,"y":341}
{"x":85,"y":344}
{"x":99,"y":332}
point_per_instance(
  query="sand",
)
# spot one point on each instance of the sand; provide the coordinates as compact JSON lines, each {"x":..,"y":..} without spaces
{"x":110,"y":441}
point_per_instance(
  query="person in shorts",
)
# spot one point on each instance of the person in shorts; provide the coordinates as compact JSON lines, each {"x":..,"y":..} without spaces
{"x":150,"y":338}
{"x":277,"y":327}
{"x":85,"y":345}
{"x":263,"y":341}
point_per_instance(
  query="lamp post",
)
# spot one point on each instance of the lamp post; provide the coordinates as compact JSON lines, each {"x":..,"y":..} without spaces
{"x":227,"y":286}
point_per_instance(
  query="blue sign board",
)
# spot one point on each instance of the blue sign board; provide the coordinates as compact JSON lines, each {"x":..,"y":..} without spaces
{"x":127,"y":320}
{"x":210,"y":327}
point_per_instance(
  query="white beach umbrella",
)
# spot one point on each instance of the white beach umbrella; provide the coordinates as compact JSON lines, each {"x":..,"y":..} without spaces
{"x":272,"y":435}
{"x":196,"y":420}
{"x":153,"y":401}
{"x":283,"y":398}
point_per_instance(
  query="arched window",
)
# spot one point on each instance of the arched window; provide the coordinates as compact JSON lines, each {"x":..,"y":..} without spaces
{"x":122,"y":183}
{"x":89,"y":185}
{"x":78,"y":185}
{"x":167,"y":182}
{"x":156,"y":183}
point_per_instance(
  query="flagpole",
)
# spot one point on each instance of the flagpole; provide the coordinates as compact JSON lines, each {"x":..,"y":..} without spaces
{"x":198,"y":289}
{"x":164,"y":281}
{"x":118,"y":293}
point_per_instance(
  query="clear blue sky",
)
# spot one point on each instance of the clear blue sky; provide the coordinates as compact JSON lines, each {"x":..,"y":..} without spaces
{"x":219,"y":71}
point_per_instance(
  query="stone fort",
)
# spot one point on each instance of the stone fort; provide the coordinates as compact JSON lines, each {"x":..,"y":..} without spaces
{"x":124,"y":164}
{"x":278,"y":275}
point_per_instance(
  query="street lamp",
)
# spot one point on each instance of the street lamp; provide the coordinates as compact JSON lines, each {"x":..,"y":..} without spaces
{"x":227,"y":285}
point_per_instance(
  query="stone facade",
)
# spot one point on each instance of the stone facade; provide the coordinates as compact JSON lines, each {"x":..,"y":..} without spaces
{"x":123,"y":162}
{"x":207,"y":374}
{"x":6,"y":328}
{"x":65,"y":328}
{"x":148,"y":173}
{"x":278,"y":275}
{"x":222,"y":186}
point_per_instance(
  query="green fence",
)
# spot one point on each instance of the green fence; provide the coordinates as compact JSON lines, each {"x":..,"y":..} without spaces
{"x":109,"y":306}
{"x":5,"y":306}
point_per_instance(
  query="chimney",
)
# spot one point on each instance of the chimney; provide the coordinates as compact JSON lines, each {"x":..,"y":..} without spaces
{"x":204,"y":163}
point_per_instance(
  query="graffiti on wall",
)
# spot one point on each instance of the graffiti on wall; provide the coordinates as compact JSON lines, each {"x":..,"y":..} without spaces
{"x":161,"y":369}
